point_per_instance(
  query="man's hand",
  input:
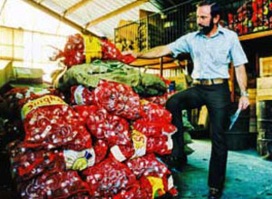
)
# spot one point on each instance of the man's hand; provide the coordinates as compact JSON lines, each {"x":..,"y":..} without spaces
{"x":130,"y":52}
{"x":243,"y":102}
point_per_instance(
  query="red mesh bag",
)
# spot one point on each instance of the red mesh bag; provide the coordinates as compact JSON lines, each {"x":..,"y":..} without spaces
{"x":155,"y":113}
{"x":50,"y":123}
{"x":118,"y":99}
{"x":108,"y":177}
{"x":110,"y":52}
{"x":154,"y":129}
{"x":122,"y":152}
{"x":111,"y":128}
{"x":147,"y":165}
{"x":80,"y":160}
{"x":29,"y":163}
{"x":73,"y":52}
{"x":160,"y":99}
{"x":18,"y":96}
{"x":156,"y":136}
{"x":158,"y":186}
{"x":101,"y":150}
{"x":137,"y":191}
{"x":84,"y":111}
{"x":81,"y":95}
{"x":53,"y":185}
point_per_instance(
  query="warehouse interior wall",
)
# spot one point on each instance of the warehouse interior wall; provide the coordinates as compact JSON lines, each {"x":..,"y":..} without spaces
{"x":30,"y":49}
{"x":29,"y":37}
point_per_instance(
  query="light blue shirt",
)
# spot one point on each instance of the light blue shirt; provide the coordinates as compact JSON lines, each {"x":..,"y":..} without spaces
{"x":211,"y":56}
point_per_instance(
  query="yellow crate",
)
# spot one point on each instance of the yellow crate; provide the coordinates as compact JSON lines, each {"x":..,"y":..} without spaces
{"x":264,"y":83}
{"x":264,"y":92}
{"x":265,"y":66}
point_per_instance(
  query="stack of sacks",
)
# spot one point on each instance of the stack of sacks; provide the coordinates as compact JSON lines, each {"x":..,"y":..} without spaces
{"x":72,"y":148}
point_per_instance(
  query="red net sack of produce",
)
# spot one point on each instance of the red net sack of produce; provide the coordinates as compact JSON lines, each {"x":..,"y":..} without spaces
{"x":147,"y":165}
{"x":160,"y":100}
{"x":73,"y":52}
{"x":122,"y":152}
{"x":158,"y":186}
{"x":108,"y":177}
{"x":137,"y":191}
{"x":137,"y":148}
{"x":153,"y":137}
{"x":50,"y":123}
{"x":17,"y":97}
{"x":84,"y":111}
{"x":155,"y":113}
{"x":29,"y":163}
{"x":83,"y":48}
{"x":154,"y":129}
{"x":110,"y":52}
{"x":147,"y":137}
{"x":111,"y":128}
{"x":53,"y":185}
{"x":81,"y":95}
{"x":80,"y":160}
{"x":118,"y":99}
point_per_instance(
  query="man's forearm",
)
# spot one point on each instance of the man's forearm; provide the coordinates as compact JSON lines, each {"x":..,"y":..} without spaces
{"x":155,"y":52}
{"x":241,"y":77}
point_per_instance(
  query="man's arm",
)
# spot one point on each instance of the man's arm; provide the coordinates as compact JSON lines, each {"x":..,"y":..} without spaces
{"x":241,"y":77}
{"x":155,"y":52}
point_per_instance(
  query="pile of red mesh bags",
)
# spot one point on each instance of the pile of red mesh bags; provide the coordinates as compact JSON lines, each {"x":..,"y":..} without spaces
{"x":150,"y":134}
{"x":100,"y":143}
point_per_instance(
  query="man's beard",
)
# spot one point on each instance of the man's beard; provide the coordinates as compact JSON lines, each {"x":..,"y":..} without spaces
{"x":206,"y":29}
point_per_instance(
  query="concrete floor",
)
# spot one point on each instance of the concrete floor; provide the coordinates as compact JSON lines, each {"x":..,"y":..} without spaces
{"x":249,"y":176}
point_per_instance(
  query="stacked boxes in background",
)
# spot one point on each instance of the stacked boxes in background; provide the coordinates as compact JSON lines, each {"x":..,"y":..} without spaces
{"x":264,"y":107}
{"x":252,"y":112}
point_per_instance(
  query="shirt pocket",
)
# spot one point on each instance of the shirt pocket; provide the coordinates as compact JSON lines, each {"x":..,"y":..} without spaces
{"x":221,"y":56}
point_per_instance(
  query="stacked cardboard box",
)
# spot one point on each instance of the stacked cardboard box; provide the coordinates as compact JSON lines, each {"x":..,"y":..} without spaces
{"x":264,"y":107}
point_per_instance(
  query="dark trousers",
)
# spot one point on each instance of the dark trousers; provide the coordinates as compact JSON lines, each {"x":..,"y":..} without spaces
{"x":217,"y":100}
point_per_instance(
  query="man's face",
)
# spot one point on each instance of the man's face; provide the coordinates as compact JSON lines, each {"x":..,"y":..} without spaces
{"x":204,"y":19}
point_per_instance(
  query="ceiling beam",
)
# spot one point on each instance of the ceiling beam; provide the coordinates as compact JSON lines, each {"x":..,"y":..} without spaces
{"x":3,"y":6}
{"x":76,"y":7}
{"x":116,"y":12}
{"x":59,"y":17}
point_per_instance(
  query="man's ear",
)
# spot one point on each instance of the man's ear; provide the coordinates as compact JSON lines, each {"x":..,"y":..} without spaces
{"x":216,"y":19}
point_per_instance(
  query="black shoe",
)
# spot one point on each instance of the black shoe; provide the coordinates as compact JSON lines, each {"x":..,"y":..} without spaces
{"x":214,"y":193}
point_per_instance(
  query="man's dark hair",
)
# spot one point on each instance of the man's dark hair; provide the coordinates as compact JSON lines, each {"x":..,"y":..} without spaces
{"x":215,"y":8}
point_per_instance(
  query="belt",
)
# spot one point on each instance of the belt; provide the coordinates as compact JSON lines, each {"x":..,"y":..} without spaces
{"x":208,"y":82}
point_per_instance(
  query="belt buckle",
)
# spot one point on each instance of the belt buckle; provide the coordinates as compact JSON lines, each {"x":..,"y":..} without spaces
{"x":206,"y":82}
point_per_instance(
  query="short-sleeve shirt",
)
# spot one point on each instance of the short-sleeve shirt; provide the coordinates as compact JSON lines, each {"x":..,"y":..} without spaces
{"x":211,"y":55}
